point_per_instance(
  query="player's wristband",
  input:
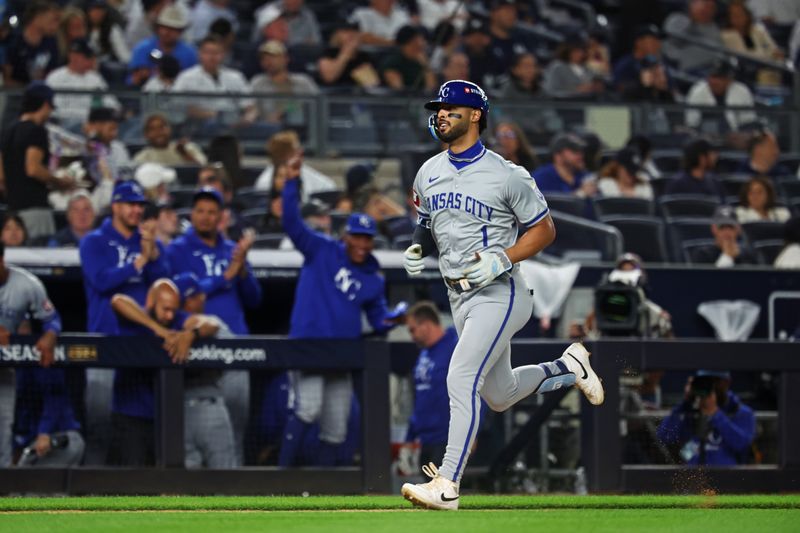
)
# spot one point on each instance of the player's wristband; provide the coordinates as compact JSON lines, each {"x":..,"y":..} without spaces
{"x":505,"y":262}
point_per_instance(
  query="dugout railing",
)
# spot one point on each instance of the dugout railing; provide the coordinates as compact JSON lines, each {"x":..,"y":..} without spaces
{"x":373,"y":360}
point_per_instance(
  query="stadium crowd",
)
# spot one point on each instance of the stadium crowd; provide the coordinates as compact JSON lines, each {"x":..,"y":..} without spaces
{"x":183,"y":208}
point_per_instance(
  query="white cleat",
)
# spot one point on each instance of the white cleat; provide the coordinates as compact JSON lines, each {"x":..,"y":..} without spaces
{"x":439,"y":493}
{"x":576,"y":357}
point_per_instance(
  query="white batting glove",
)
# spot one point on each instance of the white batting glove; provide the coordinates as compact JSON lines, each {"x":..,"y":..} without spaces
{"x":412,"y":260}
{"x":489,"y":266}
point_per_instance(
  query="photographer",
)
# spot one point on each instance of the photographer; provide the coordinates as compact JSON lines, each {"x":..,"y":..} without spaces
{"x":711,"y":426}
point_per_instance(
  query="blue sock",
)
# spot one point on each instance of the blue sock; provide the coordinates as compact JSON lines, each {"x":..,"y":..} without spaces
{"x":326,"y":456}
{"x":292,"y":441}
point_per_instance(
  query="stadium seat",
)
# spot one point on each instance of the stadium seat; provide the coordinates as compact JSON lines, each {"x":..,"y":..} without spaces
{"x":187,"y":175}
{"x":182,"y":196}
{"x":668,"y":163}
{"x":693,"y":249}
{"x":249,"y":175}
{"x":401,"y":242}
{"x":567,"y":203}
{"x":338,"y":221}
{"x":328,"y":198}
{"x":642,"y":235}
{"x":763,"y":231}
{"x":768,"y":250}
{"x":585,"y":236}
{"x":381,"y":243}
{"x":254,"y":218}
{"x":250,"y":198}
{"x":687,"y":205}
{"x":659,"y":185}
{"x":622,"y":206}
{"x":684,"y":229}
{"x":789,"y":188}
{"x":399,"y":225}
{"x":732,"y":184}
{"x":60,"y":218}
{"x":271,"y":241}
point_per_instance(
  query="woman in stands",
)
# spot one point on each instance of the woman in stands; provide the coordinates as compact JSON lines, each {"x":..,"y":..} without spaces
{"x":511,"y":143}
{"x":621,"y":177}
{"x":106,"y":36}
{"x":757,"y":203}
{"x":745,"y":35}
{"x":13,"y":232}
{"x":72,"y":26}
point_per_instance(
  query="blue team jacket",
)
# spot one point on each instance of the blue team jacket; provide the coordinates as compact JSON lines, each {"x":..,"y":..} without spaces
{"x":331,"y":290}
{"x":732,"y":430}
{"x":43,"y":404}
{"x":225,"y":299}
{"x":133,"y":393}
{"x":430,"y":420}
{"x":107,"y":263}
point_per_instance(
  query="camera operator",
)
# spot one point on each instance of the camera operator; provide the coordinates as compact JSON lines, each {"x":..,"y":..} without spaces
{"x":622,"y":307}
{"x":711,"y":426}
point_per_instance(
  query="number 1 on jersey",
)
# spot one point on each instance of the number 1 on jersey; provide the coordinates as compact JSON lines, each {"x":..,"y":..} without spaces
{"x":485,"y":233}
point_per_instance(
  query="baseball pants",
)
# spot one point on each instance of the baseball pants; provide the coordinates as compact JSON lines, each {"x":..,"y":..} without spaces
{"x":324,"y":398}
{"x":235,"y":385}
{"x":70,"y":455}
{"x":208,"y":434}
{"x":481,"y":364}
{"x":7,"y":402}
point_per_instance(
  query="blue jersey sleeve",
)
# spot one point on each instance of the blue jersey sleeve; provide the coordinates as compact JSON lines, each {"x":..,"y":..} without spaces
{"x":159,"y":268}
{"x":97,"y":271}
{"x":249,"y":289}
{"x":306,"y":241}
{"x":377,"y":312}
{"x":737,"y":432}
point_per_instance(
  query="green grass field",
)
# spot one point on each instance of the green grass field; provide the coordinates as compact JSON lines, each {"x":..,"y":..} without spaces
{"x":493,"y":514}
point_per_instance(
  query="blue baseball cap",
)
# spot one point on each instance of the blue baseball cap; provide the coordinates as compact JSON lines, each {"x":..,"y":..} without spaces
{"x":209,"y":193}
{"x":188,"y":285}
{"x":361,"y":224}
{"x":129,"y":192}
{"x":461,"y":93}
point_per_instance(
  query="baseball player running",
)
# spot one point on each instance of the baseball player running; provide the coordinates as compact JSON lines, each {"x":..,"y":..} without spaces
{"x":471,"y":203}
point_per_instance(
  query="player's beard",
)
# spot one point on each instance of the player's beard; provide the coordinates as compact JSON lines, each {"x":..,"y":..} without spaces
{"x":456,"y":130}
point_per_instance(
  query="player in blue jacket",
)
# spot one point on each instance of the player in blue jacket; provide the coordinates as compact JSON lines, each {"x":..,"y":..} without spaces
{"x":431,"y":416}
{"x":219,"y":263}
{"x":711,"y":426}
{"x":338,"y":280}
{"x":122,"y":256}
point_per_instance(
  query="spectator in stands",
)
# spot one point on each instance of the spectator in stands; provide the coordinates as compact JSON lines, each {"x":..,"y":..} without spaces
{"x":567,"y":75}
{"x":210,"y":76}
{"x":276,"y":78}
{"x":271,"y":25}
{"x":102,"y":129}
{"x":728,"y":251}
{"x":13,"y":233}
{"x":167,"y":71}
{"x":80,"y":73}
{"x":698,"y":24}
{"x":456,"y":67}
{"x":105,"y":34}
{"x":431,"y":416}
{"x":301,"y":21}
{"x":757,"y":202}
{"x":567,"y":173}
{"x":380,"y":21}
{"x":280,"y":148}
{"x":167,"y":227}
{"x":23,"y":296}
{"x":748,"y":36}
{"x":205,"y":12}
{"x":598,"y":59}
{"x":155,"y":180}
{"x":223,"y":30}
{"x":445,"y":41}
{"x":764,"y":156}
{"x":434,"y":12}
{"x":514,"y":146}
{"x":32,"y":52}
{"x":622,"y":177}
{"x":476,"y":40}
{"x":505,"y":44}
{"x":408,"y":68}
{"x":351,"y":285}
{"x":343,"y":64}
{"x":790,"y":255}
{"x":133,"y":411}
{"x":170,"y":24}
{"x":644,"y":149}
{"x":227,"y":150}
{"x":524,"y":80}
{"x":121,"y":256}
{"x":162,"y":149}
{"x":698,"y":162}
{"x":712,"y":426}
{"x":142,"y":18}
{"x":779,"y":12}
{"x":72,"y":26}
{"x":642,"y":75}
{"x":367,"y":198}
{"x":25,"y":149}
{"x":721,"y":91}
{"x":219,"y":263}
{"x":214,"y":175}
{"x":80,"y":221}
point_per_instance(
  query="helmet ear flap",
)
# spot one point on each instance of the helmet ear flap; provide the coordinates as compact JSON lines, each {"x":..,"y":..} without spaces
{"x":433,"y":129}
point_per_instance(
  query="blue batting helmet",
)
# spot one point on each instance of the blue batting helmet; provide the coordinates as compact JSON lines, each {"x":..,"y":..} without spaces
{"x":461,"y":93}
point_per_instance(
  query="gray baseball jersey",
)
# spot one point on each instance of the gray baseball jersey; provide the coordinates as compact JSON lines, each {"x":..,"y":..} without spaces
{"x":476,"y":208}
{"x":21,"y":295}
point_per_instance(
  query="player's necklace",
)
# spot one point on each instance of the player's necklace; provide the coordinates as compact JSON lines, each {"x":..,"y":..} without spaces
{"x":466,"y":159}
